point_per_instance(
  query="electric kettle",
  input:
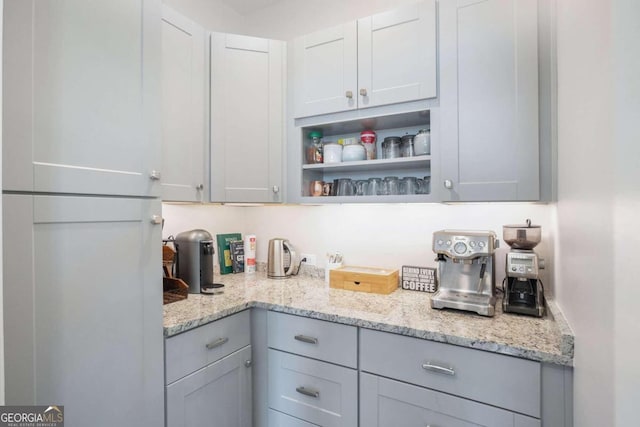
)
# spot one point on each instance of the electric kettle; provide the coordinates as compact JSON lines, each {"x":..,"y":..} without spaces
{"x":282,"y":259}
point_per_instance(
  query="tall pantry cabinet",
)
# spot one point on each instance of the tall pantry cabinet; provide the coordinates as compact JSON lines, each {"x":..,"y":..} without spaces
{"x":82,"y":295}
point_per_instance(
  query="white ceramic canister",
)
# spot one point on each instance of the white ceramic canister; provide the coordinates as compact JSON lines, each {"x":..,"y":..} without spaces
{"x":332,"y":153}
{"x":422,"y":143}
{"x":354,"y":152}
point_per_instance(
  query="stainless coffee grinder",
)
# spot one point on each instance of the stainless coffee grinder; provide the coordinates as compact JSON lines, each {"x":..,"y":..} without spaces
{"x":465,"y":270}
{"x":524,"y":292}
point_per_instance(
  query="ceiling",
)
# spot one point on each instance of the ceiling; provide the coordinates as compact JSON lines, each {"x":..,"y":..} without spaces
{"x":244,"y":7}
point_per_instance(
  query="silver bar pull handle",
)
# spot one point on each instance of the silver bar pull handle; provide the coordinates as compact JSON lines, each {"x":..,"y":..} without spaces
{"x":217,"y":343}
{"x":308,"y":340}
{"x":308,"y":392}
{"x":439,"y":369}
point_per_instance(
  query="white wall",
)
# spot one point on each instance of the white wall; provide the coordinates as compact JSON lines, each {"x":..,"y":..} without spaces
{"x":216,"y":219}
{"x":389,"y":235}
{"x":213,"y":15}
{"x":386,"y":235}
{"x":599,"y":191}
{"x":626,"y":76}
{"x":289,"y":18}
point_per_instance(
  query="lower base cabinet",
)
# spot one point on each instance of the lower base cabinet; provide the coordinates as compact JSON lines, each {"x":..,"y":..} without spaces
{"x":317,"y":392}
{"x":218,"y":395}
{"x":279,"y":419}
{"x":389,"y":403}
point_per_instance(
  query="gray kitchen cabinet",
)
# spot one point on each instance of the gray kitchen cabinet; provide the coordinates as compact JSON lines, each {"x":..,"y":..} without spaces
{"x":327,"y":341}
{"x":81,"y":96}
{"x":314,"y":391}
{"x":304,"y":389}
{"x":502,"y":381}
{"x":395,"y":120}
{"x":283,"y":420}
{"x":218,"y":395}
{"x":188,"y":352}
{"x":209,"y":374}
{"x":247,"y":119}
{"x":382,"y":59}
{"x":413,"y":381}
{"x":489,"y":100}
{"x":389,"y":403}
{"x":184,"y":109}
{"x":83,"y":307}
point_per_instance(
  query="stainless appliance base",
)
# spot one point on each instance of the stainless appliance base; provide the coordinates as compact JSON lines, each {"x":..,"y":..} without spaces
{"x":482,"y":304}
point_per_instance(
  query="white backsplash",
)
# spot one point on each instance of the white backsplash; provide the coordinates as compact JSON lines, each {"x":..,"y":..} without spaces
{"x":368,"y":235}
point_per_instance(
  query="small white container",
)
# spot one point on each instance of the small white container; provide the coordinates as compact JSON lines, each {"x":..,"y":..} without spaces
{"x":327,"y":270}
{"x":354,"y":152}
{"x":332,"y":153}
{"x":422,"y":143}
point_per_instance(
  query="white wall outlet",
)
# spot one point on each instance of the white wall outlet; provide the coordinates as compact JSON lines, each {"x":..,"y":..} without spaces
{"x":311,"y":259}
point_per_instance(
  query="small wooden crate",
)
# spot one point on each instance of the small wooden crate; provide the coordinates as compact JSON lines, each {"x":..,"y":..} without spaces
{"x":364,"y":279}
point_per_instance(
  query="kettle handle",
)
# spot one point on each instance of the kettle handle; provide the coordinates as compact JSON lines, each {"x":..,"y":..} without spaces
{"x":293,"y":266}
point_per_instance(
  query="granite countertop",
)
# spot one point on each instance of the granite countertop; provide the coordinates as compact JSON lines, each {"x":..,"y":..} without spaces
{"x":548,"y":339}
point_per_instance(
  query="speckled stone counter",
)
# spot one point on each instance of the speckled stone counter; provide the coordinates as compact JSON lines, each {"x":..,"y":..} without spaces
{"x":548,"y":339}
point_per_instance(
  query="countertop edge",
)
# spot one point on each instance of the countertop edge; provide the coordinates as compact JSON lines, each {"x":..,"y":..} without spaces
{"x":567,"y":345}
{"x":564,"y":359}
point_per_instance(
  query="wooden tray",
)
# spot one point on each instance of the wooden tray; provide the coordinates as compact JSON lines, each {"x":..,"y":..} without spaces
{"x":174,"y":289}
{"x":364,"y":279}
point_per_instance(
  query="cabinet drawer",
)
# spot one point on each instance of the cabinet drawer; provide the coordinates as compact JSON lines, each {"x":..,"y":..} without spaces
{"x":314,"y":391}
{"x":192,"y":350}
{"x":502,"y":381}
{"x":278,"y":419}
{"x":386,"y":402}
{"x":318,"y":339}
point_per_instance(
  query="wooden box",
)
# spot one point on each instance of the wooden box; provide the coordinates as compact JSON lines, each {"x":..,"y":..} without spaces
{"x":364,"y":279}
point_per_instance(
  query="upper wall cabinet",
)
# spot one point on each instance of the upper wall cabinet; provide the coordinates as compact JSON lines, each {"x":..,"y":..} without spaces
{"x":247,"y":118}
{"x":382,"y":59}
{"x":184,"y":111}
{"x":82,"y":96}
{"x":489,"y":100}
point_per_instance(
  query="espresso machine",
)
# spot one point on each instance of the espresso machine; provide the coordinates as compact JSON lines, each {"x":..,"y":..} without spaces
{"x":465,"y":270}
{"x":524,"y":292}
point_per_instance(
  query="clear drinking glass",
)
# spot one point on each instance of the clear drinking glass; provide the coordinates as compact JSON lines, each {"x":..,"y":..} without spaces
{"x":361,"y":187}
{"x":374,"y":187}
{"x":346,"y":187}
{"x":392,"y":185}
{"x":409,"y":185}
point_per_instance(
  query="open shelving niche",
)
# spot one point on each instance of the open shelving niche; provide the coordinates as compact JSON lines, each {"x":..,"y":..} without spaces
{"x":384,"y":126}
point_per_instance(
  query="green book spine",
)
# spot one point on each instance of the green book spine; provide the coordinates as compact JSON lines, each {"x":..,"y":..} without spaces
{"x":224,"y":252}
